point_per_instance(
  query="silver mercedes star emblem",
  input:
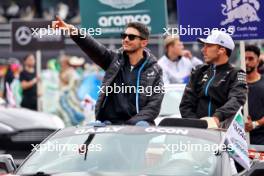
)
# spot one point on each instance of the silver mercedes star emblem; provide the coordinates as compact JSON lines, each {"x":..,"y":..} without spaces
{"x":23,"y":35}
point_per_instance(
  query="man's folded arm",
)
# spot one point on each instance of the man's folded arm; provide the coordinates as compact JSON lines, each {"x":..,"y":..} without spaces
{"x":236,"y":97}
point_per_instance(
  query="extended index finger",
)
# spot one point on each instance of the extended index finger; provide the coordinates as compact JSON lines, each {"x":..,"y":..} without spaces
{"x":59,"y":19}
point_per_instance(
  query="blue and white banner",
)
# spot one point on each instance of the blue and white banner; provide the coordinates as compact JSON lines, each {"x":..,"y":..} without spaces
{"x":236,"y":138}
{"x":244,"y":19}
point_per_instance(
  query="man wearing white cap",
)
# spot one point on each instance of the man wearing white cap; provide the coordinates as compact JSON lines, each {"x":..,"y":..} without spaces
{"x":216,"y":89}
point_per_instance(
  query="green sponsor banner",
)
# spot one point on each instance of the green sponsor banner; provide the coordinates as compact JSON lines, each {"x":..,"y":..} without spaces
{"x":110,"y":16}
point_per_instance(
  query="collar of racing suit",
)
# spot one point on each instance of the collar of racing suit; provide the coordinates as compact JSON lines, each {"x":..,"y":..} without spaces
{"x":221,"y":67}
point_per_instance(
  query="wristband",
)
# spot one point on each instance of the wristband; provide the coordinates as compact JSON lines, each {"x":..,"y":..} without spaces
{"x":255,"y":124}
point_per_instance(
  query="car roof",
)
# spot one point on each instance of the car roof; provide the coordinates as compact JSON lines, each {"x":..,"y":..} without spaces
{"x":25,"y":119}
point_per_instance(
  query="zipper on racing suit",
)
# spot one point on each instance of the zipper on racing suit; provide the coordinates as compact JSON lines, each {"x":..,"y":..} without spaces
{"x":207,"y":88}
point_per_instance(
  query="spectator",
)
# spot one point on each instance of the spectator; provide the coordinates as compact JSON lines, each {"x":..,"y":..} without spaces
{"x":255,"y":124}
{"x":261,"y":64}
{"x":216,"y":89}
{"x":12,"y":79}
{"x":29,"y":80}
{"x":69,"y":108}
{"x":9,"y":77}
{"x":177,"y":63}
{"x":3,"y":70}
{"x":68,"y":76}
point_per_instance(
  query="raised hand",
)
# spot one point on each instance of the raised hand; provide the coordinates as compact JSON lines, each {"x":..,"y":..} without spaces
{"x":60,"y":24}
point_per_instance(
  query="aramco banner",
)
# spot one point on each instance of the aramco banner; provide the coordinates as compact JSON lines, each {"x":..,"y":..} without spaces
{"x":112,"y":15}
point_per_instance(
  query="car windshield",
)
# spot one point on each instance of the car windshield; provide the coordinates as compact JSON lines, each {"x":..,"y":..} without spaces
{"x":134,"y":153}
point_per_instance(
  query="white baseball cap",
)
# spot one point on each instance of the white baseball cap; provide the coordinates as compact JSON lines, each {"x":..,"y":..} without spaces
{"x":220,"y":38}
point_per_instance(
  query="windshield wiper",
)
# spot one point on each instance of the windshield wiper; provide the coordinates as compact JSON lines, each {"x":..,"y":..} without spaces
{"x":219,"y":151}
{"x":164,"y":115}
{"x":39,"y":173}
{"x":87,"y":143}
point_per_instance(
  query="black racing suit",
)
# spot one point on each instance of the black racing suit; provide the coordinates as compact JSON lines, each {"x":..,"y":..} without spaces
{"x":214,"y":91}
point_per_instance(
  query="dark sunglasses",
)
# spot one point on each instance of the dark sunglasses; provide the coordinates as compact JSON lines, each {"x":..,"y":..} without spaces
{"x":131,"y":36}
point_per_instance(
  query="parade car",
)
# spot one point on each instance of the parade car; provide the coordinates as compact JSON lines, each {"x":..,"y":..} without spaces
{"x":165,"y":150}
{"x":21,"y":128}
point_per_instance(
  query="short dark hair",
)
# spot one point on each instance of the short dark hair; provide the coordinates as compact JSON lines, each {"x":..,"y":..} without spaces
{"x":142,"y":29}
{"x":27,"y":56}
{"x":253,"y":49}
{"x":228,"y":52}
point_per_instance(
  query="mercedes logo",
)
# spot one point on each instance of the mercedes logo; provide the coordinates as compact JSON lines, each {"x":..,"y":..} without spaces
{"x":23,"y":35}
